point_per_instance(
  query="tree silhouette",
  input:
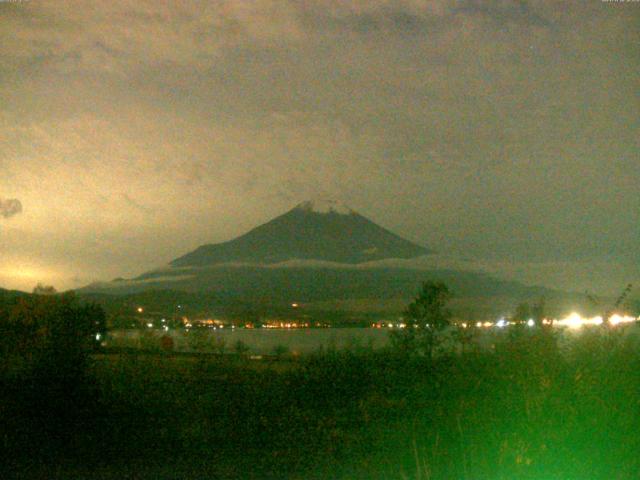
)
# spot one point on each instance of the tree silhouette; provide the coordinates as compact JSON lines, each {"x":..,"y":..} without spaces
{"x":522,"y":313}
{"x":53,"y":334}
{"x":424,"y":318}
{"x":538,"y":311}
{"x":42,"y":289}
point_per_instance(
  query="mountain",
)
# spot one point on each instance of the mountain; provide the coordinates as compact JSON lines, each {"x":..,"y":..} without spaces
{"x":325,"y":231}
{"x":322,"y":254}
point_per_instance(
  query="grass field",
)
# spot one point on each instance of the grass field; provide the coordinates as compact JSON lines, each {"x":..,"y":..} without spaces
{"x":529,"y":410}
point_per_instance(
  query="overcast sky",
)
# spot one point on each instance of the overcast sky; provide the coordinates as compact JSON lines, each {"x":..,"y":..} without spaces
{"x":504,"y":131}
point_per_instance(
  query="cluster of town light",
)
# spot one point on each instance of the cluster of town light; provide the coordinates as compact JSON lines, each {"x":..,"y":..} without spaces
{"x":573,"y":321}
{"x":286,"y":325}
{"x":576,"y":321}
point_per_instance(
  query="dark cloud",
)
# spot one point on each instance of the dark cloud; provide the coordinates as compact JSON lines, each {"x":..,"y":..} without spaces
{"x":389,"y":20}
{"x":10,"y":207}
{"x":496,"y":128}
{"x":504,"y":11}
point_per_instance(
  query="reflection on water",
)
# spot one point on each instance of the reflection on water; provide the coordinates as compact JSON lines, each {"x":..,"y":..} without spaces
{"x":259,"y":341}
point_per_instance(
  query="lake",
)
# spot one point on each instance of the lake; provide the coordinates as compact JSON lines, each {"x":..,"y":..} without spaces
{"x":260,"y":341}
{"x":264,"y":341}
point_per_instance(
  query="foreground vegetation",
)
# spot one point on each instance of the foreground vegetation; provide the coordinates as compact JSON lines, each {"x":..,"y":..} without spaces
{"x":535,"y":408}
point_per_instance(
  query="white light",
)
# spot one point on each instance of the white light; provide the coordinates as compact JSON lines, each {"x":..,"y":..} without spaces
{"x":616,"y":319}
{"x":572,"y":321}
{"x":150,"y":325}
{"x":501,"y":323}
{"x":576,"y":321}
{"x":98,"y":337}
{"x":530,"y":322}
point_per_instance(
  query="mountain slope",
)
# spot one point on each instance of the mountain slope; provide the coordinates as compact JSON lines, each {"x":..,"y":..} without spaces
{"x":315,"y":253}
{"x":313,"y":231}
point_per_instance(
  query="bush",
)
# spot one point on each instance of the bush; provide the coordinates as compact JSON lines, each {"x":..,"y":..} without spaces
{"x":280,"y":351}
{"x":46,"y":395}
{"x":49,"y":335}
{"x":241,"y":348}
{"x":149,"y":340}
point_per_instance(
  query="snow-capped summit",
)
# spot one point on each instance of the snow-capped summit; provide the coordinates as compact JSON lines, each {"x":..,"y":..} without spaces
{"x":325,"y":206}
{"x":313,"y":230}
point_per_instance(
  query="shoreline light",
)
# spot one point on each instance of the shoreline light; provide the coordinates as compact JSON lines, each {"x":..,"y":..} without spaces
{"x":575,"y":320}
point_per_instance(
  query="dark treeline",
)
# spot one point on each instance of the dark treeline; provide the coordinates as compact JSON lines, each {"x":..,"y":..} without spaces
{"x":45,"y":344}
{"x":532,"y":408}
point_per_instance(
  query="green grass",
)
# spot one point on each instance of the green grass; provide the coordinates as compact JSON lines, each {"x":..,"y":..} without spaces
{"x":529,"y":410}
